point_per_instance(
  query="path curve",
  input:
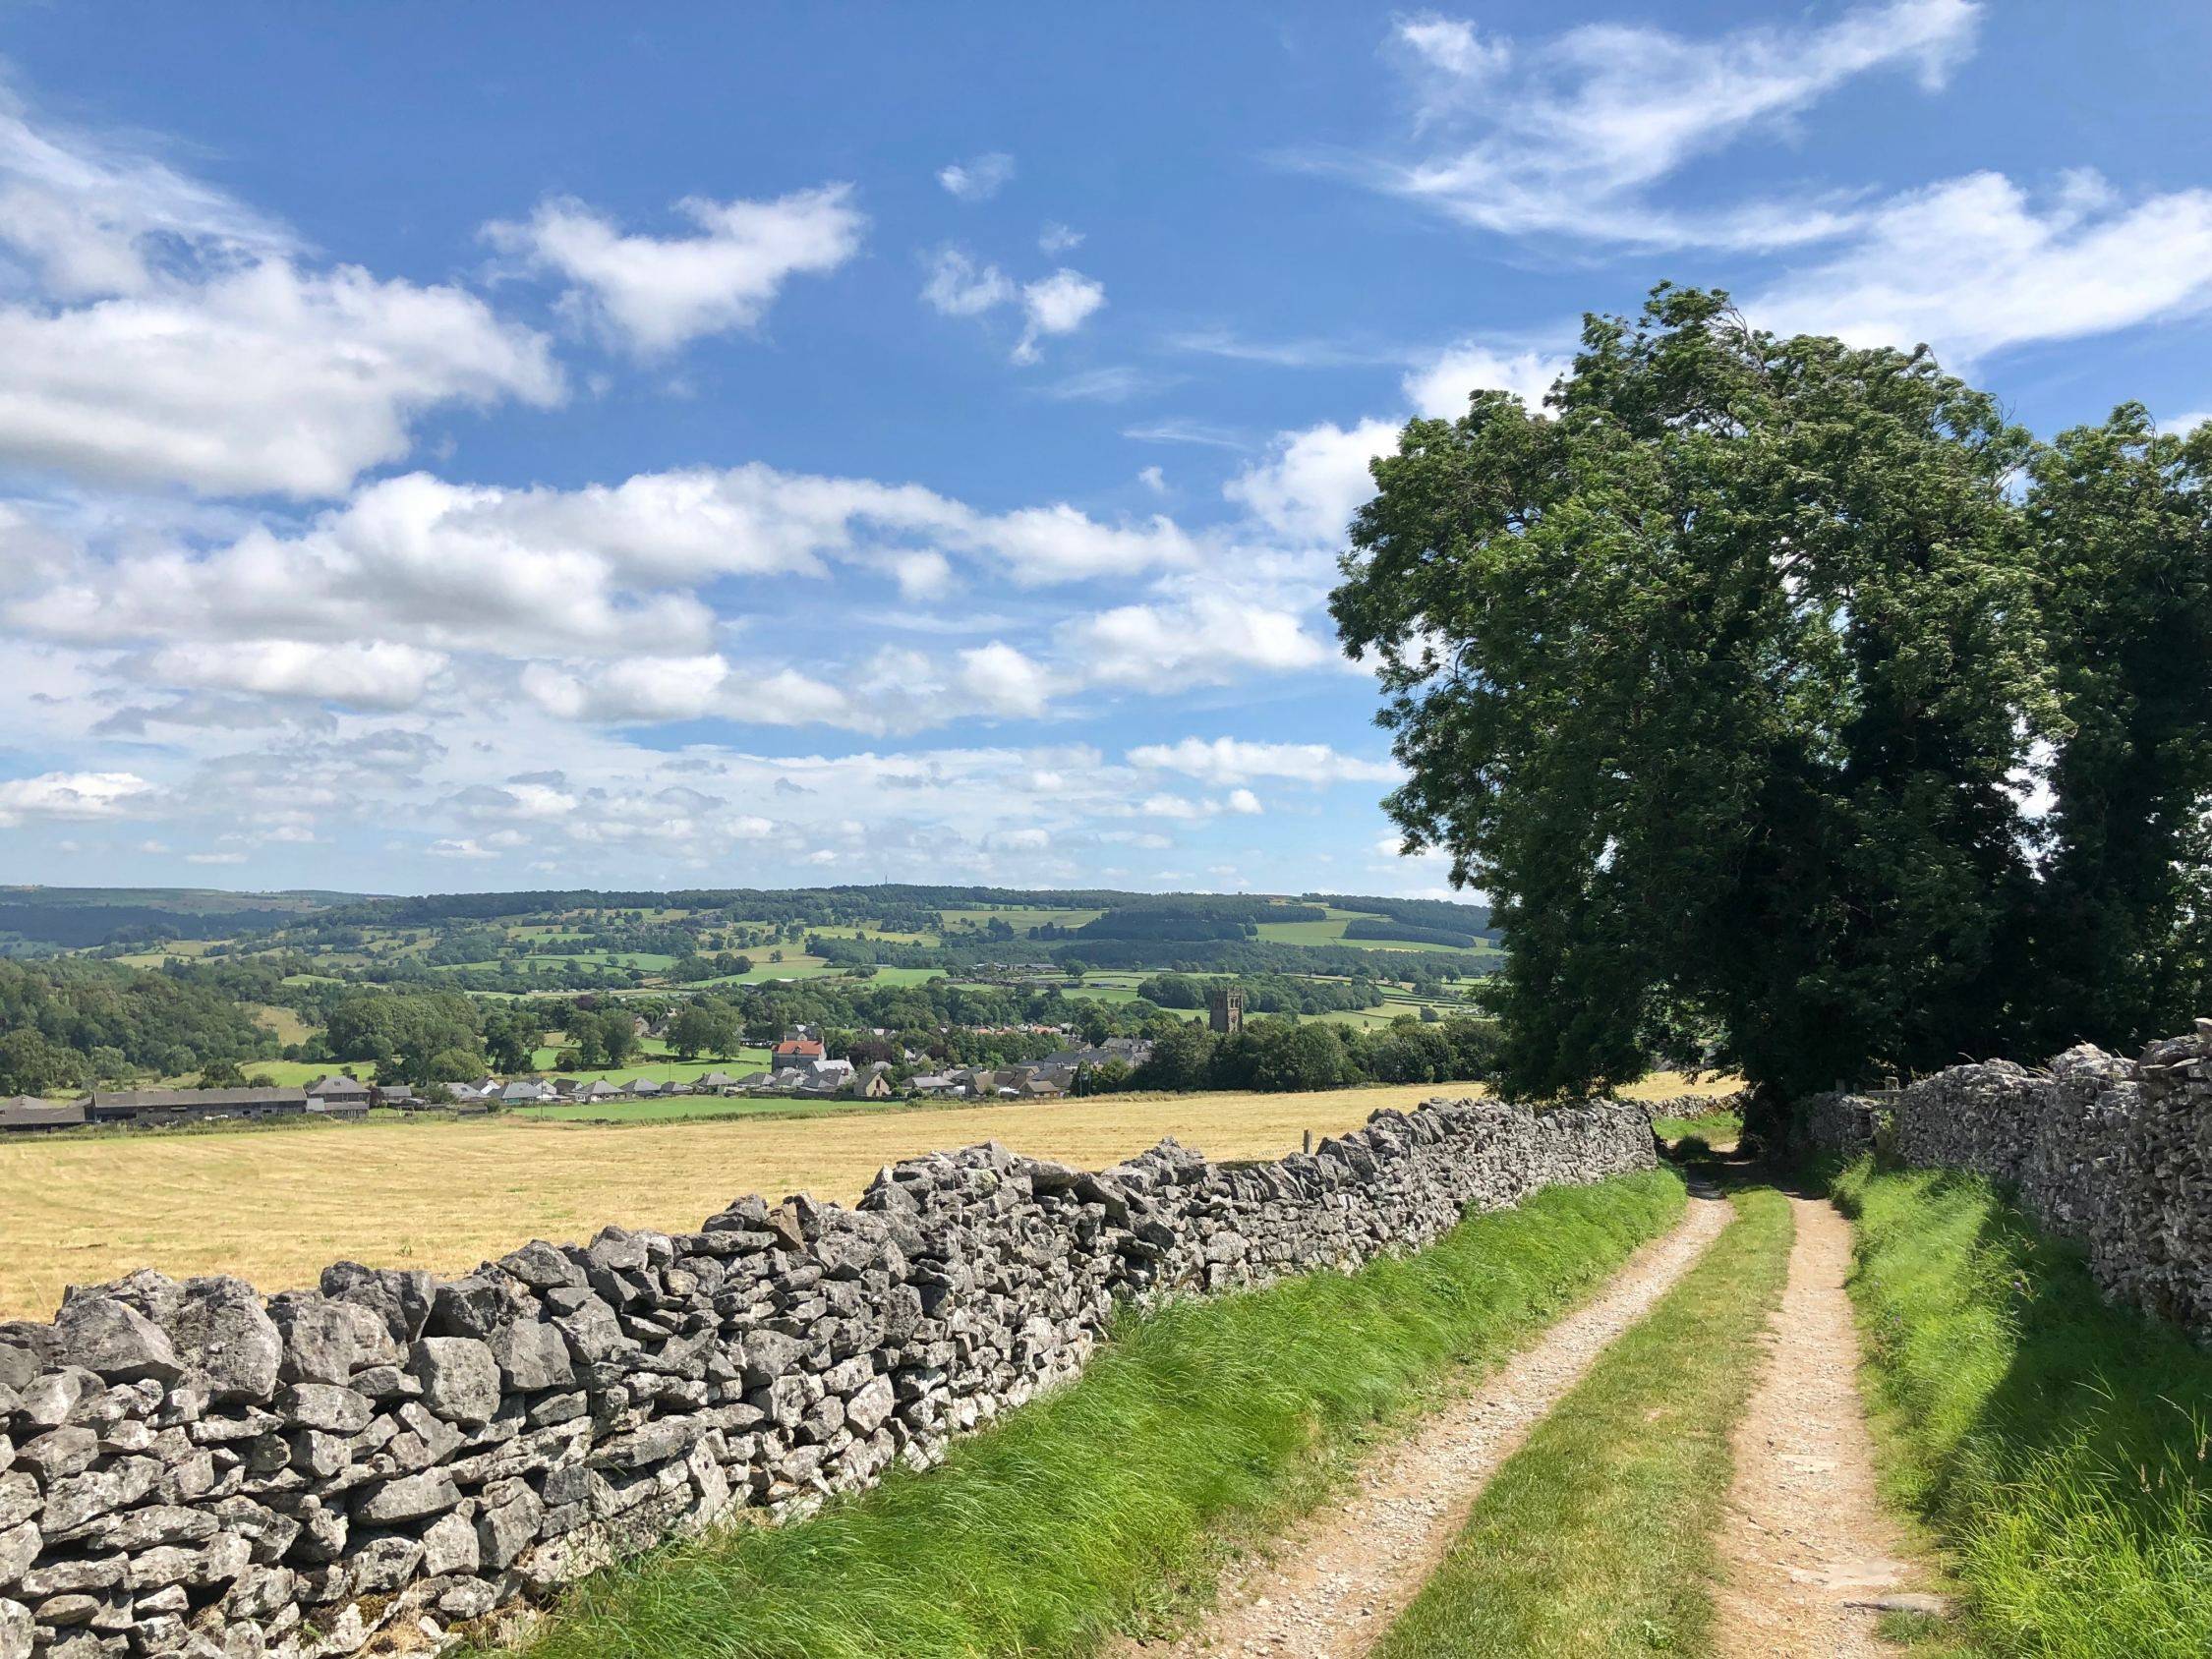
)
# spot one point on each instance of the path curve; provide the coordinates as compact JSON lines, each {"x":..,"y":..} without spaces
{"x":1334,"y":1584}
{"x":1812,"y":1558}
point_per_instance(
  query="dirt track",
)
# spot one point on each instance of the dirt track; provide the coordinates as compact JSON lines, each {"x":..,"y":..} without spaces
{"x":1332,"y":1587}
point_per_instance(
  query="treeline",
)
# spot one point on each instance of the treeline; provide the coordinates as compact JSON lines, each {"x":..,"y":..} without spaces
{"x":68,"y":1023}
{"x":1265,"y":994}
{"x":1446,"y":913}
{"x":1277,"y":1054}
{"x":81,"y":927}
{"x":1363,"y":928}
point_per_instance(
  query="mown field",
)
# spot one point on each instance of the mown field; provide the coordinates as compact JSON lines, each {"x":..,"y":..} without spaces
{"x":276,"y":1207}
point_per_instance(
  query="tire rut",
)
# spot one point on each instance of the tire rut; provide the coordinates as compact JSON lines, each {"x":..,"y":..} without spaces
{"x":1332,"y":1586}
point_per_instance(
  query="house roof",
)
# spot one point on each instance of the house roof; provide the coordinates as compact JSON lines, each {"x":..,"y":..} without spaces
{"x":28,"y":1111}
{"x":799,"y":1047}
{"x":337,"y":1083}
{"x":156,"y":1099}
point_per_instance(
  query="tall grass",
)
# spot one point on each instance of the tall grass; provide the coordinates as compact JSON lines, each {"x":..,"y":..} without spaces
{"x":1105,"y":1506}
{"x":1597,"y":1536}
{"x":2057,"y":1443}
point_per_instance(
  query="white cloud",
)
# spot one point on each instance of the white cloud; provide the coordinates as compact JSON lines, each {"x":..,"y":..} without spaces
{"x":958,"y":286}
{"x":1439,"y":389}
{"x":1055,"y":239}
{"x":1599,"y":115}
{"x":72,"y":795}
{"x":174,"y":336}
{"x":465,"y":847}
{"x":1452,"y":45}
{"x":265,"y":378}
{"x":1313,"y":481}
{"x":370,"y":673}
{"x":1208,"y":639}
{"x":1243,"y":801}
{"x":1059,"y":304}
{"x":654,"y":294}
{"x":979,"y":177}
{"x":1973,"y":266}
{"x":1153,"y":479}
{"x":1233,"y":760}
{"x":221,"y":857}
{"x":1003,"y":681}
{"x":91,"y":217}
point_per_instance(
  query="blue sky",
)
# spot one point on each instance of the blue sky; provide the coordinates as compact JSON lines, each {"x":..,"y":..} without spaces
{"x":763,"y":446}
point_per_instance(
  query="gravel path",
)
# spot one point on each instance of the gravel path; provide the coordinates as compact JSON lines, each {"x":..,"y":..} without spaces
{"x":1333,"y":1586}
{"x":1810,"y":1555}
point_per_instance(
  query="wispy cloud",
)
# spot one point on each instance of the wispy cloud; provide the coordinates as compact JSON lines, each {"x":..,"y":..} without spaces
{"x":1568,"y":137}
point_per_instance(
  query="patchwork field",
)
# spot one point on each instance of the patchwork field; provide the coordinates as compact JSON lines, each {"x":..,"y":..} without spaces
{"x":275,"y":1207}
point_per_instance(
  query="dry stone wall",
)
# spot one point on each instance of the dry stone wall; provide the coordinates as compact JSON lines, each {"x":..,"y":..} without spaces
{"x":2112,"y":1152}
{"x":187,"y":1469}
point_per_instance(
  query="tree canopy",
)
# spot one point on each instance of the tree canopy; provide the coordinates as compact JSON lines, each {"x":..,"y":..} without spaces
{"x":1796,"y":709}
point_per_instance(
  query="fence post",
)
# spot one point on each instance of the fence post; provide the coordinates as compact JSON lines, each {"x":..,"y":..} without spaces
{"x":1309,"y":1143}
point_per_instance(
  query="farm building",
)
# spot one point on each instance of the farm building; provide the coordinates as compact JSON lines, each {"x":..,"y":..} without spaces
{"x":29,"y":1114}
{"x":187,"y":1106}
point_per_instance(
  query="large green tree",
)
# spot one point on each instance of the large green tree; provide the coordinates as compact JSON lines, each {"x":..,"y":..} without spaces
{"x":1716,"y":678}
{"x":2122,"y":517}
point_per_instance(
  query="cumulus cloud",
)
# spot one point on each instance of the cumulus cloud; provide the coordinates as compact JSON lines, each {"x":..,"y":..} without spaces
{"x":1441,"y":388}
{"x":1003,"y":681}
{"x":1313,"y":481}
{"x":364,"y":673}
{"x":175,"y":336}
{"x":266,"y":379}
{"x":72,"y":795}
{"x":979,"y":177}
{"x":651,"y":293}
{"x":1233,"y":760}
{"x":1208,"y":639}
{"x":1059,"y":304}
{"x":1055,"y":239}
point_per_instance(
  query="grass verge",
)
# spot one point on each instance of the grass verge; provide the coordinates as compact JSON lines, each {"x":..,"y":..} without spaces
{"x":1109,"y":1504}
{"x":2056,"y":1445}
{"x":1595,"y":1537}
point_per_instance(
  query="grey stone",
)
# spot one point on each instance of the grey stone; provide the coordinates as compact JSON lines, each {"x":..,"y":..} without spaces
{"x":82,"y":1498}
{"x":328,"y":1406}
{"x":63,"y":1611}
{"x":326,"y":1340}
{"x":60,"y":1451}
{"x":222,"y":1333}
{"x":460,"y":1378}
{"x":157,"y":1524}
{"x":15,"y":1630}
{"x":449,"y":1545}
{"x":541,"y":1266}
{"x":107,"y":1335}
{"x":503,"y":1532}
{"x":19,"y":1548}
{"x":409,"y":1497}
{"x":532,"y":1356}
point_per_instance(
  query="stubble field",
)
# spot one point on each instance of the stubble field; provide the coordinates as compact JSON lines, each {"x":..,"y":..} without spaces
{"x":275,"y":1207}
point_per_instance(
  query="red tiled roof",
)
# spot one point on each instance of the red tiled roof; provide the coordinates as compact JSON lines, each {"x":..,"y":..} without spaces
{"x":799,"y":1047}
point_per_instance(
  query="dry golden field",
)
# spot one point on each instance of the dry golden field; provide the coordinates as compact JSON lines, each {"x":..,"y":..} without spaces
{"x":274,"y":1207}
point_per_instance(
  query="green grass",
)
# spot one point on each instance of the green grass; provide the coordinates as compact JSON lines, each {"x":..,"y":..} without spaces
{"x":1101,"y":1507}
{"x":1714,"y":1128}
{"x":1595,"y":1537}
{"x":2056,"y":1445}
{"x":686,"y":1107}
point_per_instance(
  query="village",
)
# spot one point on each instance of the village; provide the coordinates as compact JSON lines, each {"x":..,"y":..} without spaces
{"x":800,"y":1069}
